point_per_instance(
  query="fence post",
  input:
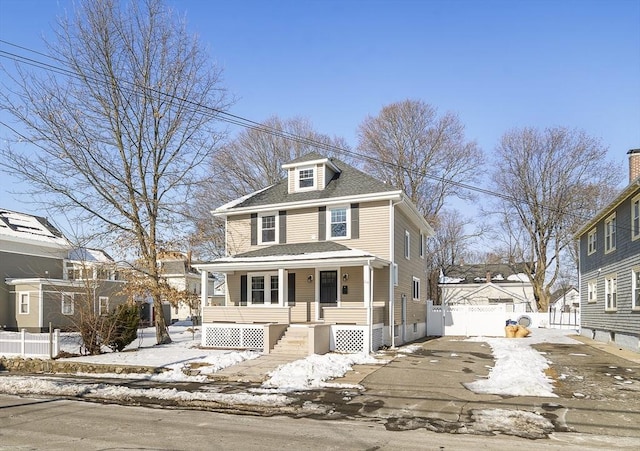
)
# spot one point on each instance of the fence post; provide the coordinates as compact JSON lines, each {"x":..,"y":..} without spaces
{"x":56,"y":343}
{"x":23,"y":339}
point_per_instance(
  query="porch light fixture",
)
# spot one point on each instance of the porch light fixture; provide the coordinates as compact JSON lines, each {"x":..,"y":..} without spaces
{"x":310,"y":278}
{"x":345,"y":276}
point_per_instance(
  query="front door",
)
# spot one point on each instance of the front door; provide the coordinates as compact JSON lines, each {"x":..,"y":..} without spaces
{"x":328,"y":290}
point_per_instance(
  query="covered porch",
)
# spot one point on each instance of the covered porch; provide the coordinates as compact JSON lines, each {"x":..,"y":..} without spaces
{"x":331,"y":286}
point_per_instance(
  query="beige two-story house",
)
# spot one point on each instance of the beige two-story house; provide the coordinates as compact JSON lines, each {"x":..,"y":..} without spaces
{"x":329,"y":255}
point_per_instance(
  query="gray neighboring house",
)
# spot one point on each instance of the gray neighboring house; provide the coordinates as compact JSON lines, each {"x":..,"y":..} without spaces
{"x":43,"y":278}
{"x":610,"y":267}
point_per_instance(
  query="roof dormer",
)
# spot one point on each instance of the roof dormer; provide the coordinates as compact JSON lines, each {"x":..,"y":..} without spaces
{"x":310,"y":173}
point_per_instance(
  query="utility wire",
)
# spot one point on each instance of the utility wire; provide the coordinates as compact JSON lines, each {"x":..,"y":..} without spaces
{"x":238,"y":120}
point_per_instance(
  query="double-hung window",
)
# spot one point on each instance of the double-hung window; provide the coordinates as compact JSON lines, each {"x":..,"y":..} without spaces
{"x":635,"y":288}
{"x":592,"y":291}
{"x":264,"y":288}
{"x":416,"y":289}
{"x":23,"y":303}
{"x":268,"y":229}
{"x":339,"y":222}
{"x":305,"y":178}
{"x":635,"y":217}
{"x":591,"y":241}
{"x":407,"y":245}
{"x":67,"y":303}
{"x":422,"y":243}
{"x":103,"y":305}
{"x":610,"y":292}
{"x":610,"y":234}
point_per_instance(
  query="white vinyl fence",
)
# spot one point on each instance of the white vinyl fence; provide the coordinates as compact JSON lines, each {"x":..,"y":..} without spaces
{"x":478,"y":320}
{"x":26,"y":344}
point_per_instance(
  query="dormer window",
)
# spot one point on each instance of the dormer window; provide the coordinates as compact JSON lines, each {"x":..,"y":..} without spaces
{"x":306,"y":179}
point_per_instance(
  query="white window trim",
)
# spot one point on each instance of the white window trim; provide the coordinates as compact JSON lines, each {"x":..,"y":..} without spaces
{"x":315,"y":178}
{"x":20,"y":294}
{"x":267,"y":288}
{"x":592,"y":233}
{"x":347,"y":208}
{"x":277,"y":227}
{"x":592,"y":284}
{"x":71,"y":297}
{"x":415,"y":284}
{"x":100,"y":298}
{"x":635,"y":288}
{"x":608,"y":233}
{"x":407,"y":245}
{"x":422,"y":246}
{"x":634,"y":236}
{"x":607,"y":306}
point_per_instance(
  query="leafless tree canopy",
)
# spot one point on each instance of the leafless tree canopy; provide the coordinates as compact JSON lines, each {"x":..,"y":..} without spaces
{"x":121,"y":129}
{"x":421,"y":152}
{"x":451,"y":244}
{"x":250,"y":162}
{"x":554,"y":180}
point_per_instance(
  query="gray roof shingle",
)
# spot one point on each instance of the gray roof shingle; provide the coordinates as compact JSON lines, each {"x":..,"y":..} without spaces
{"x":349,"y":182}
{"x":472,"y":272}
{"x":295,"y":249}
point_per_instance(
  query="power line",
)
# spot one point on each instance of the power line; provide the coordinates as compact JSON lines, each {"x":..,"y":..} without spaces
{"x":241,"y":121}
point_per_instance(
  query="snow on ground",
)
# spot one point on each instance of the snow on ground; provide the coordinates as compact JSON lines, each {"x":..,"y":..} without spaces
{"x":175,"y":357}
{"x":519,"y":369}
{"x":512,"y":422}
{"x":313,"y":371}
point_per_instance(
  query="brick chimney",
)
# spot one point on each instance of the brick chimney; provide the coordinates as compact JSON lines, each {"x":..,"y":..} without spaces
{"x":634,"y":164}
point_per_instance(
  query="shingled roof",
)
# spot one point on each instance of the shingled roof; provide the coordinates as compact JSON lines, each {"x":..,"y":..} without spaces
{"x":478,"y":273}
{"x":295,"y":249}
{"x":348,"y":182}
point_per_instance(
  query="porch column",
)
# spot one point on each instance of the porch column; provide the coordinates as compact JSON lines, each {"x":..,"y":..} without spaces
{"x":204,"y":290}
{"x":368,"y":283}
{"x":282,"y":286}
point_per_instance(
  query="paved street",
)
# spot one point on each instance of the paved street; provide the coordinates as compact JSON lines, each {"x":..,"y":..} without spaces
{"x":55,"y":424}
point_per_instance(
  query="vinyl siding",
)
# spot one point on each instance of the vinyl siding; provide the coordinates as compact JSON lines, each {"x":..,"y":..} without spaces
{"x":22,"y":266}
{"x":599,"y":265}
{"x":407,"y":269}
{"x":302,"y":225}
{"x":30,"y":321}
{"x":594,"y":316}
{"x":239,"y":234}
{"x":374,"y":229}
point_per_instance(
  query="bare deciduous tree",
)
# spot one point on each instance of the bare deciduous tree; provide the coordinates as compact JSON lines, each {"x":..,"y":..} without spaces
{"x":416,"y":150}
{"x":120,"y":127}
{"x":248,"y":163}
{"x":552,"y":180}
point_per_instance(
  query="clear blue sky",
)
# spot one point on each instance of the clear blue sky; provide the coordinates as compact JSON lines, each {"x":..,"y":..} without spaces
{"x":497,"y":64}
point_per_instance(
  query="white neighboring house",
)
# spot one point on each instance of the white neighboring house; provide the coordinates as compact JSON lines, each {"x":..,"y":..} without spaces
{"x":488,"y":284}
{"x":565,"y":300}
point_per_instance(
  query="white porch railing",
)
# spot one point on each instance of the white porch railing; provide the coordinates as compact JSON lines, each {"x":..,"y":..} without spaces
{"x":26,"y":344}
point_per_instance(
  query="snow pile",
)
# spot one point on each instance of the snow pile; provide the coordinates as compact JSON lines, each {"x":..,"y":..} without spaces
{"x":512,"y":422}
{"x":21,"y":385}
{"x":313,"y":371}
{"x":519,"y":369}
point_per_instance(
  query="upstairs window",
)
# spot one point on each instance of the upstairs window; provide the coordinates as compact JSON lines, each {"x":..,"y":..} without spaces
{"x":422,"y":245}
{"x":635,"y":218}
{"x":610,"y":234}
{"x":591,"y":242}
{"x":339,"y":222}
{"x":268,"y":229}
{"x":610,"y":292}
{"x":305,"y":178}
